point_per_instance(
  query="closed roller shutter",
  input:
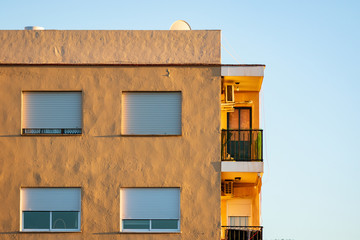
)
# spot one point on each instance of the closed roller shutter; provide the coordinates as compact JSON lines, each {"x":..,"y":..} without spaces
{"x":52,"y":110}
{"x":239,"y":207}
{"x":50,"y":199}
{"x":151,"y":113}
{"x":150,"y":203}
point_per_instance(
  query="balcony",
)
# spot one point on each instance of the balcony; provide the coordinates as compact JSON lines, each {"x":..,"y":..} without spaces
{"x":243,"y":233}
{"x":242,"y":151}
{"x":242,"y":145}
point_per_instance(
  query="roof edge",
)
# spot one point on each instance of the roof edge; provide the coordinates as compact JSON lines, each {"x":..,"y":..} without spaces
{"x":133,"y":64}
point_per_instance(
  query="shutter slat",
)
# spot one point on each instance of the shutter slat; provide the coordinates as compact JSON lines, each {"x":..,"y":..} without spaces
{"x":239,"y":207}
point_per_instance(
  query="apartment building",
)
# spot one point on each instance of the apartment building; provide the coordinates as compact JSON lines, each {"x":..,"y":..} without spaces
{"x":127,"y":135}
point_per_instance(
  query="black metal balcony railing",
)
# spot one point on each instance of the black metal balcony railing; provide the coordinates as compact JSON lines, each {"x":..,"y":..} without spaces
{"x":52,"y":131}
{"x":243,"y":233}
{"x":242,"y":145}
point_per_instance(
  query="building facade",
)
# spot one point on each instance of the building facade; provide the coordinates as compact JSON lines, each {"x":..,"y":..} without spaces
{"x":117,"y":135}
{"x":241,"y":152}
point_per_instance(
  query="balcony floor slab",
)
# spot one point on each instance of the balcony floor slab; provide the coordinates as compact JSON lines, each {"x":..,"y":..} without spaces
{"x":227,"y":166}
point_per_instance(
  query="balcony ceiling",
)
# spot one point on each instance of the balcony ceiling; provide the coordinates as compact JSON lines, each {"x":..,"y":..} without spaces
{"x":245,"y":177}
{"x":248,"y":77}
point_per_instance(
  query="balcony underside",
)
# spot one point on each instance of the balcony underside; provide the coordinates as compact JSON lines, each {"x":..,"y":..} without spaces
{"x":249,"y":77}
{"x":246,"y":167}
{"x":245,"y":178}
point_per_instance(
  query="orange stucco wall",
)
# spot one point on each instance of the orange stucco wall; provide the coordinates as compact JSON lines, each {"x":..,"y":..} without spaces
{"x":101,"y":161}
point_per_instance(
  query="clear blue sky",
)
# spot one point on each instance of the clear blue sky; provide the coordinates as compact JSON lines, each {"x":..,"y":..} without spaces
{"x":310,"y":92}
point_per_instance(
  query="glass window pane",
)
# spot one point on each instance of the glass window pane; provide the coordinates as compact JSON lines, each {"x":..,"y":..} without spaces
{"x":233,"y":120}
{"x":238,"y":220}
{"x":245,"y":118}
{"x":65,"y":220}
{"x":136,"y":224}
{"x":36,"y":220}
{"x":164,"y":224}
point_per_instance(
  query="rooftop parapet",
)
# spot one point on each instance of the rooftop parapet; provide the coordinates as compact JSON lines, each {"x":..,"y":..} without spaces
{"x":110,"y":47}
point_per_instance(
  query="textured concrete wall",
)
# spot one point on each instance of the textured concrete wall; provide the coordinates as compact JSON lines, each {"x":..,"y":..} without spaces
{"x":103,"y":46}
{"x":101,"y":161}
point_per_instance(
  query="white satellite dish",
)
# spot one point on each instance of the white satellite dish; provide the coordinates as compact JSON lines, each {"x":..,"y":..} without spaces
{"x":34,"y":28}
{"x":180,"y":25}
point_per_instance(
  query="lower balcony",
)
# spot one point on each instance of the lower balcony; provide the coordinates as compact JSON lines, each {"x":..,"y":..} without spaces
{"x":243,"y":233}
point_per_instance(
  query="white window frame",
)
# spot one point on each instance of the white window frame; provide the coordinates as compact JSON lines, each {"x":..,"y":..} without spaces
{"x":22,"y":229}
{"x":150,"y":230}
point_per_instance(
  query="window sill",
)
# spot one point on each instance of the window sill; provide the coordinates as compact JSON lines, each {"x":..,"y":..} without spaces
{"x":51,"y":232}
{"x":49,"y":135}
{"x":149,"y":232}
{"x":150,"y":135}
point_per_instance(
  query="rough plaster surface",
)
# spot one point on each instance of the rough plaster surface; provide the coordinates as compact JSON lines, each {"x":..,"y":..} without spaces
{"x":101,"y":161}
{"x":109,"y":46}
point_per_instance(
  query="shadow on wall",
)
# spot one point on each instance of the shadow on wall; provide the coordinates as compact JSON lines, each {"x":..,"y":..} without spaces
{"x":216,"y":166}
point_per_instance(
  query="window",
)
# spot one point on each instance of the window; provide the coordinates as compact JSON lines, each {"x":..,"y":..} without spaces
{"x":151,"y":113}
{"x":240,"y":118}
{"x":50,"y":209}
{"x":238,"y":221}
{"x":239,"y":212}
{"x":52,"y":113}
{"x":241,"y":139}
{"x":150,"y":209}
